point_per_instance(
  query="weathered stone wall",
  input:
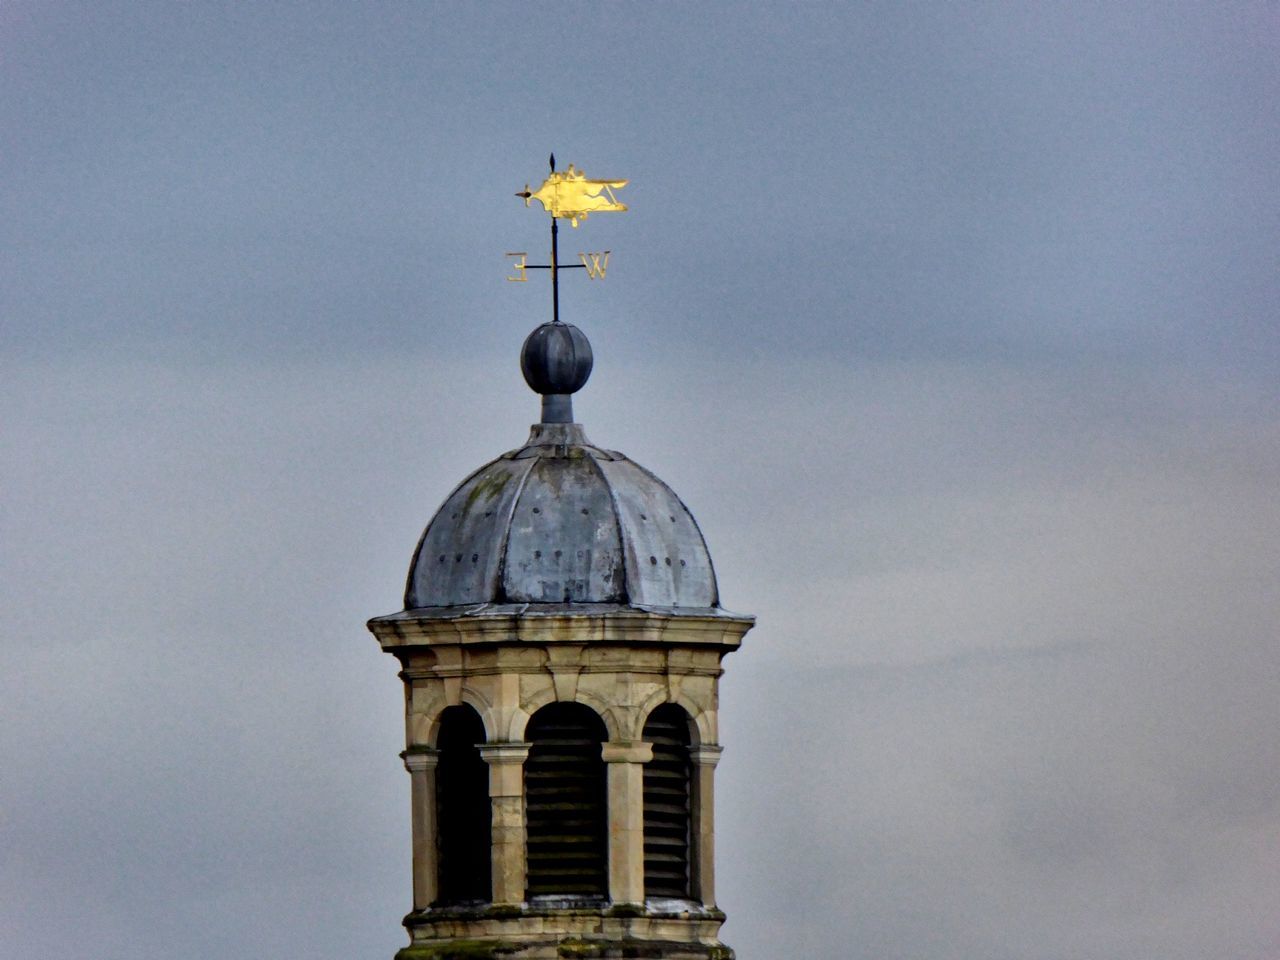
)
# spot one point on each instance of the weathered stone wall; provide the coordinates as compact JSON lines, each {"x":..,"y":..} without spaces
{"x":622,"y":666}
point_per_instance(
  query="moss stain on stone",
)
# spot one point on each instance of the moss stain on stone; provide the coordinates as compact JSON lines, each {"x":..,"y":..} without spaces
{"x":627,"y":910}
{"x":458,"y":950}
{"x":637,"y":950}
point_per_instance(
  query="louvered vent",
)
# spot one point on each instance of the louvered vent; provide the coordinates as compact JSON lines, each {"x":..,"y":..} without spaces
{"x":462,"y":806}
{"x":666,"y":804}
{"x":565,"y":802}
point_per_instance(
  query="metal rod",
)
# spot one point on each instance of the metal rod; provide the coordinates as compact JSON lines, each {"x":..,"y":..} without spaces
{"x":555,"y":279}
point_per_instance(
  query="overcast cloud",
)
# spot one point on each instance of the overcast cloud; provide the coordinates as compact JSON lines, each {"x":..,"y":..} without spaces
{"x":954,"y":325}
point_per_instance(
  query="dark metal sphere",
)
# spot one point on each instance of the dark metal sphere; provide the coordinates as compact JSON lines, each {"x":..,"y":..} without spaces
{"x":556,"y":359}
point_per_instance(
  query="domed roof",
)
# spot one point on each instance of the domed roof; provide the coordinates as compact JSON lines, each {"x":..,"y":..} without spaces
{"x":560,"y":521}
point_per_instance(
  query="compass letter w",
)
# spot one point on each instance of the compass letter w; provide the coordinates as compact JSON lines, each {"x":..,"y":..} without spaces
{"x":599,"y":262}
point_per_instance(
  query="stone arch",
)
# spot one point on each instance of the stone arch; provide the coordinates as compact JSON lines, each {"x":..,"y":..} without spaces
{"x":424,"y":725}
{"x":705,"y":722}
{"x":480,"y":703}
{"x":700,"y":728}
{"x":517,"y":723}
{"x":520,"y":718}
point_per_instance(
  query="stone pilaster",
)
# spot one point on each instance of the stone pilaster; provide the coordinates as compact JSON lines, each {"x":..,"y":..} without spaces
{"x":421,"y":764}
{"x":626,"y":760}
{"x":703,"y":866}
{"x":506,"y":795}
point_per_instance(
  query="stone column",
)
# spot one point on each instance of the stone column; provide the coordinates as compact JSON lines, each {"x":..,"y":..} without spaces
{"x":626,"y":760}
{"x":506,"y":795}
{"x":703,"y":842}
{"x":421,"y":764}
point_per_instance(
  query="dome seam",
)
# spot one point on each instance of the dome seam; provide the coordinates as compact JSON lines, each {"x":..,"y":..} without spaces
{"x":625,"y":592}
{"x":500,"y":568}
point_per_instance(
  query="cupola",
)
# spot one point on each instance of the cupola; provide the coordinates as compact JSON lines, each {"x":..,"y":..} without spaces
{"x":561,"y":648}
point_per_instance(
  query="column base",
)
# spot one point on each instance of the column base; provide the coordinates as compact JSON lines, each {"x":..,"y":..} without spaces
{"x":668,"y":930}
{"x":564,"y":950}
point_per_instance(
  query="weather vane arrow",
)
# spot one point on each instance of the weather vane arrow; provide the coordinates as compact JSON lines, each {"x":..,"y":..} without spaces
{"x":569,"y":195}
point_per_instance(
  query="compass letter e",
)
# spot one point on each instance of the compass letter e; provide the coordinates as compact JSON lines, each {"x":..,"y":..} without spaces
{"x":520,"y":266}
{"x":599,"y":263}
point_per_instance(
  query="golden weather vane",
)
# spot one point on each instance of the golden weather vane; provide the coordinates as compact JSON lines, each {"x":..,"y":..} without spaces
{"x":569,"y":195}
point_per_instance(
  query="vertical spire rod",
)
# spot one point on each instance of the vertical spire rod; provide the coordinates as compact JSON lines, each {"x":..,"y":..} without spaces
{"x":555,"y":273}
{"x":555,"y":259}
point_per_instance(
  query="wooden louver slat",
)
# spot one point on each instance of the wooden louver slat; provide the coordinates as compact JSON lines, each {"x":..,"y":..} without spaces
{"x":565,"y":808}
{"x":667,"y":805}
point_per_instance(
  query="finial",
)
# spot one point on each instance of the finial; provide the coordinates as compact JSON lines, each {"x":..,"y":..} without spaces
{"x":556,"y":362}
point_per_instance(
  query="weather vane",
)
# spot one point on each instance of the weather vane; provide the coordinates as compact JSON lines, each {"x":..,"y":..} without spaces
{"x":569,"y":195}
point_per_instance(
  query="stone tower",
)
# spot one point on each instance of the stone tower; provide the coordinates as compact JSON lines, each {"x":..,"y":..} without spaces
{"x":561,"y":646}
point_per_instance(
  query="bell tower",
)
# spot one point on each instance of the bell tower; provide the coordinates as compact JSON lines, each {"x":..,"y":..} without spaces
{"x":561,"y":648}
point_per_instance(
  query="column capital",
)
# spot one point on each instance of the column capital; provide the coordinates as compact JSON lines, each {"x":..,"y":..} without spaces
{"x":420,"y":758}
{"x":707,"y":754}
{"x":498,"y":753}
{"x":626,"y":751}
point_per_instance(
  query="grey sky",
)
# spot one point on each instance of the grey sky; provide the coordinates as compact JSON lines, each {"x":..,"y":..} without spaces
{"x":954,"y":325}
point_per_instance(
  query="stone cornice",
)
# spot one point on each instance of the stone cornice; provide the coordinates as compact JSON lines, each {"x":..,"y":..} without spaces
{"x":624,"y":626}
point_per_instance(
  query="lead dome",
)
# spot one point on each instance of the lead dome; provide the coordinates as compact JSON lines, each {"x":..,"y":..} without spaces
{"x":561,"y":521}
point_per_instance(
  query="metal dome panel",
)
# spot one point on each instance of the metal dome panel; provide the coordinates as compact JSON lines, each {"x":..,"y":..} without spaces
{"x":667,"y":560}
{"x":563,"y":542}
{"x":459,"y":559}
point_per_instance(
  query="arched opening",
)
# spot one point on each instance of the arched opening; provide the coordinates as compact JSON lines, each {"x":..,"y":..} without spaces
{"x":566,"y":811}
{"x":462,"y":808}
{"x":667,"y":804}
